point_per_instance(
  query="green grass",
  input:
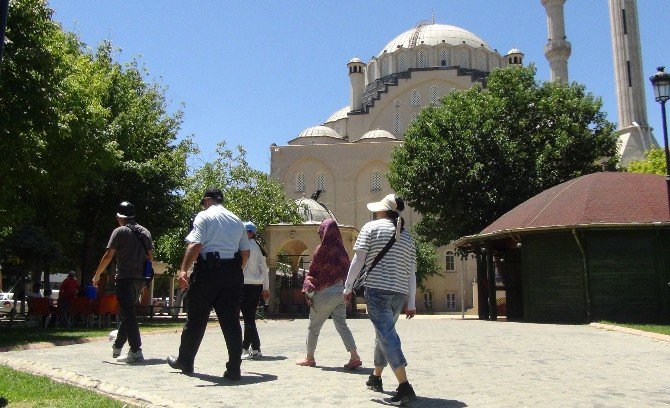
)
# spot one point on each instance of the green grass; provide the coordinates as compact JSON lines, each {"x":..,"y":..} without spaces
{"x":23,"y":390}
{"x":654,"y":328}
{"x":19,"y":335}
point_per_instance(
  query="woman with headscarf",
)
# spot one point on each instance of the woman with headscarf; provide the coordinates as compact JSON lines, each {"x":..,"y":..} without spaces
{"x":324,"y":283}
{"x":389,"y":285}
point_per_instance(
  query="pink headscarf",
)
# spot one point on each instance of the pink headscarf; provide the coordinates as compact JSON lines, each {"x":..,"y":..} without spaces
{"x":330,"y":262}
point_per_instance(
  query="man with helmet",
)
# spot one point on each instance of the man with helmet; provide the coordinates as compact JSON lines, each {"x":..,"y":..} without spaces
{"x":219,"y":246}
{"x":256,"y":284}
{"x":132,"y":245}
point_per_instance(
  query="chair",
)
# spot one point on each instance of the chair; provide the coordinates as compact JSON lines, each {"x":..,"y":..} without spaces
{"x":108,"y":306}
{"x":81,"y":307}
{"x":40,"y":310}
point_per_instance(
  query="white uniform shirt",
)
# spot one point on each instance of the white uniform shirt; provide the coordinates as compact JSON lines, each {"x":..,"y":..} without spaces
{"x":256,"y":270}
{"x":219,"y":230}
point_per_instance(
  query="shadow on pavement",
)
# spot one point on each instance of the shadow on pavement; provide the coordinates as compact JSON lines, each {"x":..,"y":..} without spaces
{"x":359,"y":371}
{"x":426,"y":402}
{"x":146,"y":362}
{"x":267,"y":358}
{"x":246,"y":379}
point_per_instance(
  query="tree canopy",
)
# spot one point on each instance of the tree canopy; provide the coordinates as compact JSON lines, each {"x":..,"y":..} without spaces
{"x":481,"y":152}
{"x":653,"y":163}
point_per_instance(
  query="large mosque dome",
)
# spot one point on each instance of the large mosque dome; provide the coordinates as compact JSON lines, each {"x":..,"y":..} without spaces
{"x":434,"y":34}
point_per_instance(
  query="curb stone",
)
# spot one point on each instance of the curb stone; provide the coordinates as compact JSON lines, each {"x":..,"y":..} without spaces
{"x":628,"y":330}
{"x":122,"y":394}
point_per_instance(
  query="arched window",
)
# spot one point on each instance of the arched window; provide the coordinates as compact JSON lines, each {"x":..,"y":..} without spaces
{"x":449,"y":261}
{"x":371,"y":72}
{"x":385,"y":67}
{"x":464,"y":59}
{"x":402,"y":63}
{"x":444,"y":58}
{"x":423,"y":59}
{"x":434,"y":96}
{"x":300,"y":182}
{"x":397,"y":123}
{"x":416,"y":97}
{"x":510,"y":60}
{"x":321,"y":181}
{"x":482,"y":63}
{"x":376,"y":181}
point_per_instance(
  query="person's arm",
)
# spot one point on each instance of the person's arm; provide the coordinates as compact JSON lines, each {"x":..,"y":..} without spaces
{"x":192,"y":252}
{"x":104,"y":261}
{"x":245,"y":257}
{"x":266,"y":277}
{"x":354,"y":269}
{"x":411,"y":298}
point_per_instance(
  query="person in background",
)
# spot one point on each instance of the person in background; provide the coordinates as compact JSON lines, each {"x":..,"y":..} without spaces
{"x":256,"y":285}
{"x":125,"y":244}
{"x":388,"y":286}
{"x":323,"y":287}
{"x":68,"y":291}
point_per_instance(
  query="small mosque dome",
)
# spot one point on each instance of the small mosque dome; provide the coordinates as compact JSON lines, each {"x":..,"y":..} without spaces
{"x":313,"y":212}
{"x":377,"y":134}
{"x":355,"y":60}
{"x":319,"y":131}
{"x":339,"y":114}
{"x":317,"y":135}
{"x":514,"y":51}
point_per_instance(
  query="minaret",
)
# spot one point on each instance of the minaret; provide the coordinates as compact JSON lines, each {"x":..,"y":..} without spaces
{"x":357,"y":79}
{"x":558,"y":49}
{"x":634,"y":132}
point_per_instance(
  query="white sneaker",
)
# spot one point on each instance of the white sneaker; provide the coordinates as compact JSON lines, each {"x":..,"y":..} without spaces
{"x":132,"y":357}
{"x":245,"y":354}
{"x":255,"y":353}
{"x":116,"y":352}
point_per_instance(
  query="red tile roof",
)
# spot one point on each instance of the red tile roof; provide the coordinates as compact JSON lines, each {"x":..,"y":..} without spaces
{"x":598,"y":198}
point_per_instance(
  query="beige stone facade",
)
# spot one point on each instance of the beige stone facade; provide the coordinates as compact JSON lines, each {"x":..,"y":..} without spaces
{"x":347,"y":156}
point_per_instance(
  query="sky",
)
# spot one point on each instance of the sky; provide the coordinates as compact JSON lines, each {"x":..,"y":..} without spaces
{"x":256,"y":72}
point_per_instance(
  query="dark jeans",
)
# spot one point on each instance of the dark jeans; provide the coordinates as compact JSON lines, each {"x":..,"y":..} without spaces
{"x":220,"y":288}
{"x":127,"y":293}
{"x":251,"y":296}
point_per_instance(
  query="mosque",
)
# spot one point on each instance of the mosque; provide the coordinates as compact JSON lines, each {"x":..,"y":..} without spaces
{"x":346,"y":157}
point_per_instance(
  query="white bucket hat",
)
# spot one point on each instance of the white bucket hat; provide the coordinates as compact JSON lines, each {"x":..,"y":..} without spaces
{"x":386,"y":203}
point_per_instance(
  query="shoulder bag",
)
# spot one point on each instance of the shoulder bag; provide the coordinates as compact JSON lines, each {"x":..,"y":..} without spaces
{"x":148,"y":271}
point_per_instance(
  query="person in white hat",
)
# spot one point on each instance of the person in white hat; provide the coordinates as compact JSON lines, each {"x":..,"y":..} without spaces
{"x":389,"y":285}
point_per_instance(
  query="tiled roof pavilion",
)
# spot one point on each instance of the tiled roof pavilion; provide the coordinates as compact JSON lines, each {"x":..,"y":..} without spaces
{"x":606,"y":198}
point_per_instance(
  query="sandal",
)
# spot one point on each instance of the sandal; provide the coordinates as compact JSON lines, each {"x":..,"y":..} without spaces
{"x":352,"y":365}
{"x":306,"y":362}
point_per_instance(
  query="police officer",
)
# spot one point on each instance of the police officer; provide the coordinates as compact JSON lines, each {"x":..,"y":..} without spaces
{"x":219,"y":246}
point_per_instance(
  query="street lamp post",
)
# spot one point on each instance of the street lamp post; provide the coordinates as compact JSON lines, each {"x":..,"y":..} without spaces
{"x":660,"y":81}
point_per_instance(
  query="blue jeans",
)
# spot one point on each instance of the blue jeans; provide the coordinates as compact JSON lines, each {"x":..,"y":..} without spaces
{"x":384,"y":307}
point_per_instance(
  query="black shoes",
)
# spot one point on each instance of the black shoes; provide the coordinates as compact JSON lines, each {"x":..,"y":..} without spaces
{"x":177,"y":365}
{"x":404,"y":394}
{"x":233,"y":376}
{"x":374,"y":383}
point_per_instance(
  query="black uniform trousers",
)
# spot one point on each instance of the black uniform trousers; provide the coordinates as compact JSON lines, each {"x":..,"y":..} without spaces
{"x":251,"y":297}
{"x":218,"y":286}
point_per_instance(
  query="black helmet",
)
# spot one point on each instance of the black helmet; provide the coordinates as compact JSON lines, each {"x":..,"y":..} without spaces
{"x":125,"y":210}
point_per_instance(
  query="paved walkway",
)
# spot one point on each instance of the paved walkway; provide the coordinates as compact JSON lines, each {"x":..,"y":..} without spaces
{"x":453,"y":363}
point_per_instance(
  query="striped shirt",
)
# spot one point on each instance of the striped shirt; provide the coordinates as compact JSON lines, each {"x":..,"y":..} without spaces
{"x":394,"y":269}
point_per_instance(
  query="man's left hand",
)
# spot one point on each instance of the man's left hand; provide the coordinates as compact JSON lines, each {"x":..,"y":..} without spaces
{"x":182,"y":280}
{"x":266,"y":294}
{"x":410,"y":313}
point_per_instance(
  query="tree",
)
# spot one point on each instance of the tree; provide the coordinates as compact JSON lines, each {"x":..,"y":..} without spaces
{"x":426,"y":260}
{"x":250,"y":194}
{"x":653,"y":163}
{"x":480,"y":153}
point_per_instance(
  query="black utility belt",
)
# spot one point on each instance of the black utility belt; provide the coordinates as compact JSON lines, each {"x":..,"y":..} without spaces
{"x":212,"y":260}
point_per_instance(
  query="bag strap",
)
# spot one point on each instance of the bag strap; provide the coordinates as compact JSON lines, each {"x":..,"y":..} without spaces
{"x":139,"y":238}
{"x":383,"y":252}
